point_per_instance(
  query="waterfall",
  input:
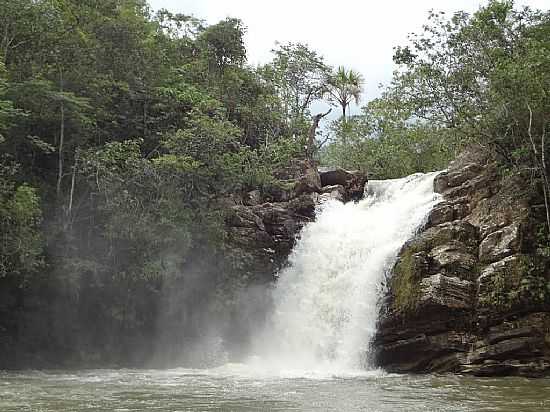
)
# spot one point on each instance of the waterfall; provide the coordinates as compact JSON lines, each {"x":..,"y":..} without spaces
{"x":325,"y":301}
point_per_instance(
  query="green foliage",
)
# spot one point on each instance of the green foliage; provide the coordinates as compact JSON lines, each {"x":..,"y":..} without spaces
{"x":20,"y":217}
{"x":343,"y":87}
{"x":133,"y":128}
{"x":223,"y":45}
{"x":141,"y":203}
{"x":7,"y":111}
{"x":299,"y":75}
{"x":522,"y":284}
{"x":382,"y":143}
{"x":481,"y":78}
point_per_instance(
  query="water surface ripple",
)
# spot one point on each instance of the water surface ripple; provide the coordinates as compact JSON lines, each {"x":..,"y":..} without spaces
{"x":231,"y":388}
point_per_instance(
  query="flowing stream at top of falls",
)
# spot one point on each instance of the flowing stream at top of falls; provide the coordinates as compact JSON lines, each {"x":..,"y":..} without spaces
{"x":325,"y":301}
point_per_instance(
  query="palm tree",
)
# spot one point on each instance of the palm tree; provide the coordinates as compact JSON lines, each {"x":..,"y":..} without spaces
{"x":345,"y":86}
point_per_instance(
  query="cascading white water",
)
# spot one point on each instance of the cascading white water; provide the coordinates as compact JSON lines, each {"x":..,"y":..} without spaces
{"x":325,"y":302}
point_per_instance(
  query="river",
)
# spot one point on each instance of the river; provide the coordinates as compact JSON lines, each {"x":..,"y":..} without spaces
{"x":237,"y":388}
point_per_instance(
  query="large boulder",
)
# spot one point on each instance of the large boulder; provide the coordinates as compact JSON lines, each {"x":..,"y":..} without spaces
{"x":352,"y":181}
{"x":260,"y":237}
{"x":336,"y":176}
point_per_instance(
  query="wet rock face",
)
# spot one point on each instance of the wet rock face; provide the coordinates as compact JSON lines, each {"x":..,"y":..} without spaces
{"x":260,"y":237}
{"x":262,"y":226}
{"x":466,"y":294}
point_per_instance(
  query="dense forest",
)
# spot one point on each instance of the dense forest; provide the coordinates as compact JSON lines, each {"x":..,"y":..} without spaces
{"x":123,"y":131}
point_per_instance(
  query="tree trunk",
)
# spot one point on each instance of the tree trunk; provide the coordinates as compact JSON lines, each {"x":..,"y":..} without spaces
{"x":310,"y":146}
{"x":546,"y":182}
{"x":145,"y":132}
{"x":60,"y":150}
{"x":540,"y":163}
{"x":71,"y":195}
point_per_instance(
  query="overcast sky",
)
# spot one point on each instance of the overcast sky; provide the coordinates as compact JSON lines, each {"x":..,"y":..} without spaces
{"x":358,"y":34}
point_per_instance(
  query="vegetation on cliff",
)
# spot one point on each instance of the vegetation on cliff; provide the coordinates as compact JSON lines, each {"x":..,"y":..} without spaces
{"x":124,"y":134}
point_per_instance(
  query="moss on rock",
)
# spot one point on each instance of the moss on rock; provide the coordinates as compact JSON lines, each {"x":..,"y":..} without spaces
{"x":405,"y":282}
{"x":521,"y":280}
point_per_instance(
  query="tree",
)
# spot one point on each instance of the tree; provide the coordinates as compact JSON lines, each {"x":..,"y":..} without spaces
{"x":299,"y":75}
{"x":21,"y":242}
{"x":7,"y":111}
{"x":481,"y":78}
{"x":312,"y":133}
{"x":384,"y":142}
{"x":345,"y":86}
{"x":223,"y":45}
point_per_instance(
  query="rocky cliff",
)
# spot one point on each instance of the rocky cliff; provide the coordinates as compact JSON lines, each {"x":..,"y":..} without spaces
{"x":470,"y":293}
{"x":262,"y":226}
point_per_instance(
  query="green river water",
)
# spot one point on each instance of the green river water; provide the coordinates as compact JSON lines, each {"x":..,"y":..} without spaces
{"x":235,"y":388}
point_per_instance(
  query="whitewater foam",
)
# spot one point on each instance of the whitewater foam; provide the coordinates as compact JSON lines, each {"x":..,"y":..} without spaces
{"x":325,"y":302}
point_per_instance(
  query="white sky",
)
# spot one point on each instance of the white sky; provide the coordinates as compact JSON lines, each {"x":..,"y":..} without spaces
{"x":358,"y":34}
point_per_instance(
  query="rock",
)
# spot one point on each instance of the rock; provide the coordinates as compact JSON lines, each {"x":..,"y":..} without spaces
{"x":446,"y":233}
{"x":253,"y":198}
{"x":304,"y":207}
{"x":246,"y":236}
{"x":336,"y":192}
{"x":501,"y":210}
{"x":310,"y":182}
{"x":278,"y":192}
{"x":441,"y":182}
{"x":517,"y":346}
{"x":434,"y":353}
{"x":442,"y":213}
{"x":465,"y":173}
{"x":260,"y":237}
{"x":242,"y":216}
{"x":492,"y":281}
{"x":352,"y":182}
{"x":446,"y":292}
{"x":300,"y":177}
{"x":453,"y":259}
{"x":335,"y":176}
{"x":500,"y":244}
{"x":447,"y":212}
{"x":396,"y":356}
{"x":497,"y":335}
{"x":468,"y":293}
{"x":455,"y":178}
{"x":356,"y":188}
